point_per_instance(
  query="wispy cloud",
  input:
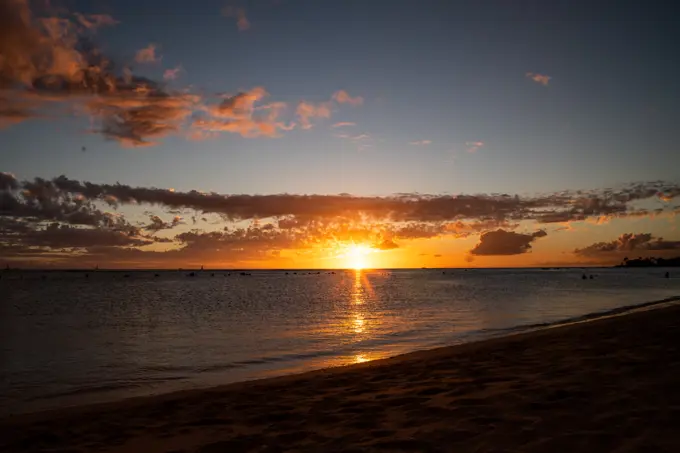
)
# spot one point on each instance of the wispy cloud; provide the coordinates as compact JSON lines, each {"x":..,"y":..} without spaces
{"x":473,"y":147}
{"x":171,"y":74}
{"x":539,"y":78}
{"x":421,"y":143}
{"x":362,"y":141}
{"x":307,"y":110}
{"x":238,"y":114}
{"x":344,"y":124}
{"x":239,"y":14}
{"x":95,"y":21}
{"x":342,"y":97}
{"x":147,"y":55}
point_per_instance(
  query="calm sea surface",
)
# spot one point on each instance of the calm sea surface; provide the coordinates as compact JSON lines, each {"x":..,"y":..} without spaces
{"x":66,"y":339}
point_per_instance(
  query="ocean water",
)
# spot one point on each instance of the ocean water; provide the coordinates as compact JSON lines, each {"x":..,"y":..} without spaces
{"x":67,"y":340}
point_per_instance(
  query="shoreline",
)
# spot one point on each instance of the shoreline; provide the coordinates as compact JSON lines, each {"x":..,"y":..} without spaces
{"x":493,"y":335}
{"x":406,"y":378}
{"x":487,"y":336}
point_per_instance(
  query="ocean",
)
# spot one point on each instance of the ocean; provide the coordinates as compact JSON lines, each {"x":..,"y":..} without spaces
{"x":71,"y":339}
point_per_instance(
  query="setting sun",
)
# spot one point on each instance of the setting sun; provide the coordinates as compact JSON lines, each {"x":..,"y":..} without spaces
{"x":355,"y":257}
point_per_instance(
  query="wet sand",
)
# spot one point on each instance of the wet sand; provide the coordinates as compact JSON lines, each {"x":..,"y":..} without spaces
{"x":609,"y":385}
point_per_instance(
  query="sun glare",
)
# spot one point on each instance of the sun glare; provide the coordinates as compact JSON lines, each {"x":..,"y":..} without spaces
{"x":356,"y":256}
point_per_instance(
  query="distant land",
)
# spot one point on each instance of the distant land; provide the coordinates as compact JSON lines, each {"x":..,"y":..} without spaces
{"x":650,"y":262}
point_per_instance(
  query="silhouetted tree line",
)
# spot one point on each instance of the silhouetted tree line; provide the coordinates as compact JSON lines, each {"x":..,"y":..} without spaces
{"x":650,"y":262}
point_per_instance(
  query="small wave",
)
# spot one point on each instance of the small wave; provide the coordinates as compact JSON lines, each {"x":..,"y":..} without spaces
{"x":109,"y":387}
{"x":583,"y":318}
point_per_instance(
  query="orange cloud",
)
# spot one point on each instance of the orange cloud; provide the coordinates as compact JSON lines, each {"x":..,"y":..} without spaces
{"x":342,"y":97}
{"x":344,"y":124}
{"x":387,"y":244}
{"x":147,"y":55}
{"x":43,"y":65}
{"x":138,"y":117}
{"x":283,"y":222}
{"x":237,"y":114}
{"x":306,"y":111}
{"x":242,"y":21}
{"x":539,"y":78}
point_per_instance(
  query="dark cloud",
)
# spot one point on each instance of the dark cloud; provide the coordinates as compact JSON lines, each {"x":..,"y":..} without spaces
{"x":41,"y":200}
{"x":8,"y":182}
{"x":462,"y":214}
{"x":629,"y":242}
{"x":501,"y":242}
{"x":56,"y":235}
{"x":157,"y":224}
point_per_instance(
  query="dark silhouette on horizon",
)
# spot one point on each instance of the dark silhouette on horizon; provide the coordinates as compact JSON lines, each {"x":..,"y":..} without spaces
{"x":650,"y":262}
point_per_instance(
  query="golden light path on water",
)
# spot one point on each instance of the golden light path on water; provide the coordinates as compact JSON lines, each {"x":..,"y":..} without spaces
{"x":360,"y":322}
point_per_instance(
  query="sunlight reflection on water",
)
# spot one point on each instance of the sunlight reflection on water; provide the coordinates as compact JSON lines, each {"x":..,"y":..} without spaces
{"x":68,"y":340}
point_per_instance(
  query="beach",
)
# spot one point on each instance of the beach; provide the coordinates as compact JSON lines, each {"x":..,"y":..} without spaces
{"x":604,"y":385}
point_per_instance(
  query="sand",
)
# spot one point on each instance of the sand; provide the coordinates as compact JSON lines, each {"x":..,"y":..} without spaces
{"x":608,"y":385}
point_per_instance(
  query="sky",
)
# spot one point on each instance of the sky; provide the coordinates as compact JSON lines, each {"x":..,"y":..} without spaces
{"x":320,"y":134}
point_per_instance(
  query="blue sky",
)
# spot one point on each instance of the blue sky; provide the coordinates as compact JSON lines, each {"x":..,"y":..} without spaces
{"x":448,"y":72}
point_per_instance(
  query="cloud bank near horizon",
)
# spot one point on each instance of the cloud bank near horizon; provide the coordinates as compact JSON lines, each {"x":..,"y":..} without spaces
{"x":69,"y":221}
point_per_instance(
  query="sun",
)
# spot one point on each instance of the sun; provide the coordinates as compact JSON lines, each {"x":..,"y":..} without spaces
{"x":356,"y":256}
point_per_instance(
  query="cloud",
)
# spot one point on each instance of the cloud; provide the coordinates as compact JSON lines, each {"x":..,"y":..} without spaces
{"x":437,"y":255}
{"x":421,"y":142}
{"x":171,"y":74}
{"x":157,"y":224}
{"x":629,"y":242}
{"x":8,"y":181}
{"x":57,"y":235}
{"x":501,"y":242}
{"x":668,"y":195}
{"x":397,"y":208}
{"x":238,"y":114}
{"x":387,"y":244}
{"x":342,"y":97}
{"x":52,"y":61}
{"x":13,"y":111}
{"x":473,"y":147}
{"x":95,"y":21}
{"x":306,"y":111}
{"x":33,"y":48}
{"x":539,"y":78}
{"x":278,"y":222}
{"x":142,"y":116}
{"x":51,"y":64}
{"x":344,"y":124}
{"x":242,"y":21}
{"x":147,"y":55}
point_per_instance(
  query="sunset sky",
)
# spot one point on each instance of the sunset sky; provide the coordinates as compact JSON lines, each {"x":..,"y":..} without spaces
{"x":326,"y":134}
